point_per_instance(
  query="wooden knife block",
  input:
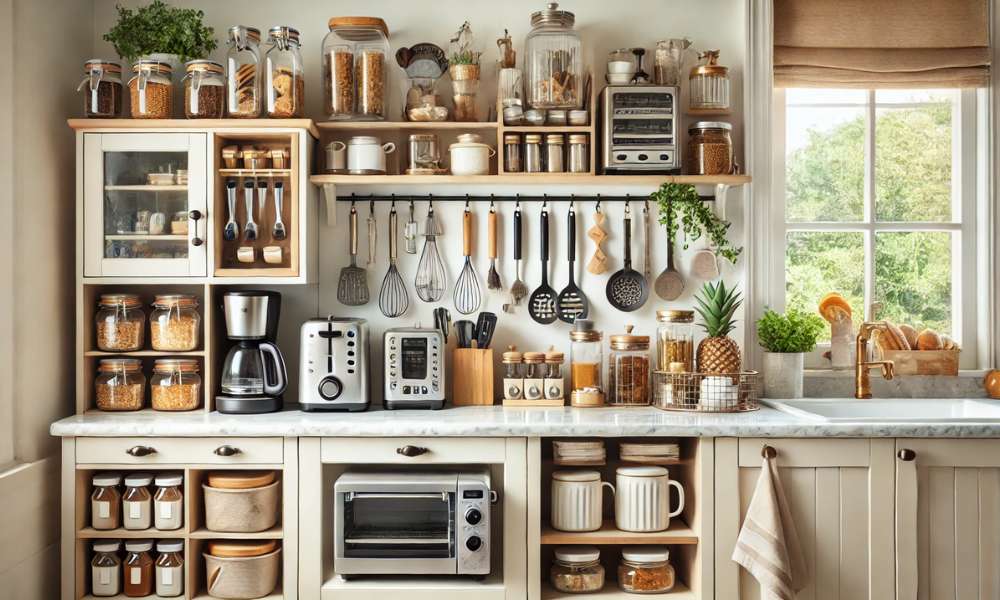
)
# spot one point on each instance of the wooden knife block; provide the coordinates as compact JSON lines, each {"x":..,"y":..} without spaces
{"x":472,"y":383}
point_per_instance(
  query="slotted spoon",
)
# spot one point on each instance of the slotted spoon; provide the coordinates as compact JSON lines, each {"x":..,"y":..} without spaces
{"x":542,"y":303}
{"x":392,"y":298}
{"x":572,"y":303}
{"x":627,"y":289}
{"x":468,"y":295}
{"x":352,"y":288}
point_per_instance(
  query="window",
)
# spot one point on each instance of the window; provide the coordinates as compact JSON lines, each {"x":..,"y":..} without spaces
{"x":877,"y":197}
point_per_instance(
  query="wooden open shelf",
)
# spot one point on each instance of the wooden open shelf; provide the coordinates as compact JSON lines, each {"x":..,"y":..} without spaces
{"x":256,"y":172}
{"x":334,"y":126}
{"x":678,"y":534}
{"x":530,"y":178}
{"x":194,"y":124}
{"x":89,"y":533}
{"x":274,"y":533}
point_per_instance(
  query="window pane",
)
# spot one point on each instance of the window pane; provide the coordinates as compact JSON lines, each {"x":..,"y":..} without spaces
{"x":817,"y":263}
{"x":911,"y":96}
{"x":819,"y":96}
{"x":824,"y":164}
{"x":913,"y":278}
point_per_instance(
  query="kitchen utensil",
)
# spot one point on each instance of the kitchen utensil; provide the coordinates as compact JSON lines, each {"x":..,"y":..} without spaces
{"x":410,"y":233}
{"x":493,"y":278}
{"x":599,"y":261}
{"x":467,"y":293}
{"x":627,"y":290}
{"x":422,"y":61}
{"x":647,"y":272}
{"x":486,"y":324}
{"x":466,"y":331}
{"x":572,"y":303}
{"x":642,"y":499}
{"x":517,"y":290}
{"x":542,"y":304}
{"x":232,"y":229}
{"x":392,"y":298}
{"x":577,"y":500}
{"x":334,"y":368}
{"x":372,"y":233}
{"x":704,"y":262}
{"x":278,"y":232}
{"x":442,"y":321}
{"x":352,"y":288}
{"x":261,"y":196}
{"x":669,"y":284}
{"x":250,"y":231}
{"x":431,"y":276}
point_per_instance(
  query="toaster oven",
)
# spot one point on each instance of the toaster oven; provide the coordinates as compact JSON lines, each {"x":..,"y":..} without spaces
{"x":414,"y":368}
{"x":413,"y":523}
{"x":639,"y":132}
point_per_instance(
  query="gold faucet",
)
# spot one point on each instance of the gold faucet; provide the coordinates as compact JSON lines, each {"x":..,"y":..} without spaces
{"x":862,"y":380}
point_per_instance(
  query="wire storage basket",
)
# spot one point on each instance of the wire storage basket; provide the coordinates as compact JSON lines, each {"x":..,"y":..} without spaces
{"x":703,"y":392}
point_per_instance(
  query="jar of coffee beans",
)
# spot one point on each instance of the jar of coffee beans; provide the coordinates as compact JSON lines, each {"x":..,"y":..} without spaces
{"x":102,"y":89}
{"x":151,"y":90}
{"x":204,"y":90}
{"x":710,"y":148}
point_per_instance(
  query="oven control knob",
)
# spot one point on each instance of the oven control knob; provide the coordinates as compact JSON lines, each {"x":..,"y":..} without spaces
{"x":474,"y":543}
{"x":643,"y":157}
{"x":330,"y":388}
{"x":473,"y":516}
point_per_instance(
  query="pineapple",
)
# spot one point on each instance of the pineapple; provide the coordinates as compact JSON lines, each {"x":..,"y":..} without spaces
{"x":718,"y":353}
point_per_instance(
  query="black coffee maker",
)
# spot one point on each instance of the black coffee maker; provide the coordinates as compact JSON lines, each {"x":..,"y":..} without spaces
{"x":253,"y":376}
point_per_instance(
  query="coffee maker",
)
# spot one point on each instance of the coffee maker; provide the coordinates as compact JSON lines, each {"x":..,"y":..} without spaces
{"x":253,"y":376}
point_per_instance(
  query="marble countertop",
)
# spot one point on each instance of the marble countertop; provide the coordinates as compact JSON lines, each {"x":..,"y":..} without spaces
{"x":496,"y":421}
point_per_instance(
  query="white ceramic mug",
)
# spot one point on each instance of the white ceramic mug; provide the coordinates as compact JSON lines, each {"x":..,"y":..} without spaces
{"x":642,"y":500}
{"x":366,"y":155}
{"x":336,"y":156}
{"x":576,"y":500}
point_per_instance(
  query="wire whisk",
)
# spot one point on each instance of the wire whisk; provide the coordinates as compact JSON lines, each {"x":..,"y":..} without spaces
{"x":393,"y":299}
{"x":431,"y":276}
{"x":468,"y":294}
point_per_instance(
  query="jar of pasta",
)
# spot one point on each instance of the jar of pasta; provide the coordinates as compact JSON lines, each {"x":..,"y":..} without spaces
{"x":284,"y":74}
{"x":175,"y":384}
{"x":354,"y":67}
{"x":174,"y":323}
{"x":243,"y":72}
{"x":120,"y":384}
{"x":628,"y":369}
{"x":151,"y":90}
{"x":120,"y":323}
{"x":675,"y":341}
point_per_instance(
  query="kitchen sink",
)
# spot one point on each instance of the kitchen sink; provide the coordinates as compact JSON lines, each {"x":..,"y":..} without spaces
{"x":893,"y":410}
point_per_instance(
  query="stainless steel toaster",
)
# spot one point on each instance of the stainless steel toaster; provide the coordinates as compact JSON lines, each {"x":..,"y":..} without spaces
{"x":414,"y":368}
{"x":334,"y":365}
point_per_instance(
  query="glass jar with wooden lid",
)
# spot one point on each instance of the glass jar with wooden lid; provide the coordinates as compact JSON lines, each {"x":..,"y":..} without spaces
{"x":284,"y":74}
{"x":675,"y":341}
{"x":553,"y":374}
{"x":204,"y":90}
{"x":534,"y":384}
{"x":513,"y":374}
{"x":709,"y":83}
{"x":628,"y":369}
{"x":243,"y":95}
{"x":120,"y":324}
{"x":102,"y":88}
{"x":710,"y":148}
{"x":354,"y":68}
{"x":174,"y":323}
{"x":175,"y":384}
{"x":151,"y":90}
{"x":586,"y":357}
{"x":120,"y":384}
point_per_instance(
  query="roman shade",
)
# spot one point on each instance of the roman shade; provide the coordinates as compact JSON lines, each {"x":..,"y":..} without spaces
{"x":881,"y":43}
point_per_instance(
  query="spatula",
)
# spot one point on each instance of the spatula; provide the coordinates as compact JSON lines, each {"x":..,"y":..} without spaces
{"x":352,"y":288}
{"x":571,"y":303}
{"x":542,"y":303}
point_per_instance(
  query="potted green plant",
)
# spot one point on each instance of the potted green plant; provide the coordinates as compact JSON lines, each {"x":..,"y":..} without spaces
{"x":463,"y":67}
{"x":161,"y":32}
{"x":681,"y":207}
{"x":785,"y":339}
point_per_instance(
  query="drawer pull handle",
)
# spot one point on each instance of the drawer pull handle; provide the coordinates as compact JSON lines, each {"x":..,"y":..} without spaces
{"x":906,"y":455}
{"x":140,"y":451}
{"x":411,"y":451}
{"x":227,"y":451}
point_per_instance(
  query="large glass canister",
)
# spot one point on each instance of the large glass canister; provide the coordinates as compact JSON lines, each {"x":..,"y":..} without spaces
{"x":120,"y":323}
{"x":585,"y":355}
{"x":243,"y":72}
{"x":102,"y":88}
{"x":710,"y":148}
{"x":628,"y":369}
{"x":709,"y":83}
{"x":675,"y":341}
{"x":284,"y":74}
{"x":151,"y":90}
{"x":554,"y":60}
{"x":204,"y":90}
{"x":354,"y":67}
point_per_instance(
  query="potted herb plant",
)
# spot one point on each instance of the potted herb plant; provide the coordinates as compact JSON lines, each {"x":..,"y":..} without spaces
{"x":786,"y":338}
{"x":682,"y":208}
{"x":463,"y":66}
{"x":160,"y":32}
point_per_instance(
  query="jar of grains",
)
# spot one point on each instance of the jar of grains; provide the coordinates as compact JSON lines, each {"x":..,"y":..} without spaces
{"x":106,"y":569}
{"x":174,"y":323}
{"x":138,"y":568}
{"x":151,"y":90}
{"x":369,"y":77}
{"x":675,"y":341}
{"x":628,"y":369}
{"x":284,"y":74}
{"x":355,"y":43}
{"x":243,"y":72}
{"x":120,"y":384}
{"x":175,"y":384}
{"x":710,"y":148}
{"x":577,"y":570}
{"x":106,"y":501}
{"x":120,"y":323}
{"x":645,"y":570}
{"x":204,"y":90}
{"x":102,"y":88}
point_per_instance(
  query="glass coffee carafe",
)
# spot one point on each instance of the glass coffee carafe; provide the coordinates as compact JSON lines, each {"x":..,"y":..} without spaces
{"x":253,"y":376}
{"x":253,"y":368}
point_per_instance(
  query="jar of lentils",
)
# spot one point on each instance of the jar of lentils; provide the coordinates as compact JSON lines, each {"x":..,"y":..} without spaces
{"x":102,"y":88}
{"x":175,"y":384}
{"x":120,"y":384}
{"x":120,"y":323}
{"x":710,"y":148}
{"x":174,"y":323}
{"x":204,"y":90}
{"x":151,"y":90}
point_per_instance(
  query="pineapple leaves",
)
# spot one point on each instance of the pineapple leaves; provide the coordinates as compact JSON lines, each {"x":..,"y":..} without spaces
{"x":716,"y":306}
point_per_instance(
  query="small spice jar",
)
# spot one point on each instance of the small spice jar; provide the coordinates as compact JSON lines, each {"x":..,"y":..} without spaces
{"x":512,"y":153}
{"x":168,"y":502}
{"x":204,"y":90}
{"x":102,"y":88}
{"x":284,"y":74}
{"x":106,"y":501}
{"x":532,"y":153}
{"x":710,"y":148}
{"x":138,"y":568}
{"x":675,"y":341}
{"x":709,"y":83}
{"x":175,"y":384}
{"x":137,"y":502}
{"x":577,"y":570}
{"x":120,"y":323}
{"x":151,"y":90}
{"x":106,"y":569}
{"x":553,"y":374}
{"x":534,"y":376}
{"x":243,"y":73}
{"x":174,"y":323}
{"x":578,"y":153}
{"x":628,"y":369}
{"x":120,"y":384}
{"x":554,"y":146}
{"x":513,"y":374}
{"x":170,"y":568}
{"x":645,"y":570}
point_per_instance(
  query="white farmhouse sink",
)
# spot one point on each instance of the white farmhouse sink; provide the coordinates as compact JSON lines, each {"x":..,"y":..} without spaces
{"x":893,"y":410}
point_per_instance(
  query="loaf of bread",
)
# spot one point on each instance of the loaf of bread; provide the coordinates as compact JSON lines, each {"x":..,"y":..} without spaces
{"x":910,"y":334}
{"x":891,"y":338}
{"x":947,"y":343}
{"x":929,"y":340}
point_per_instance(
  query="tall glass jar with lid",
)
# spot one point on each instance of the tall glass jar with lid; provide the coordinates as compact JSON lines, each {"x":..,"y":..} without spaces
{"x":243,"y":96}
{"x":354,"y":67}
{"x":585,"y":355}
{"x":709,"y":83}
{"x":628,"y":369}
{"x":284,"y":74}
{"x":175,"y":384}
{"x":204,"y":90}
{"x":554,"y":60}
{"x":151,"y":90}
{"x":675,"y":341}
{"x":102,"y":88}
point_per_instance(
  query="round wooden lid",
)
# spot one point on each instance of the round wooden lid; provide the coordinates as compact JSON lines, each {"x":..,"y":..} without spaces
{"x":240,"y":480}
{"x":359,"y":23}
{"x":240,"y":548}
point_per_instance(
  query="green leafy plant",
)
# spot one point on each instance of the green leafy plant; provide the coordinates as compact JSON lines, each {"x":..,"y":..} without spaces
{"x":158,"y":28}
{"x":795,"y":331}
{"x":460,"y":47}
{"x":681,"y":207}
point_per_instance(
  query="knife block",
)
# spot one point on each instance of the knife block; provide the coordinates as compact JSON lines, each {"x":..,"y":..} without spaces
{"x":472,"y":384}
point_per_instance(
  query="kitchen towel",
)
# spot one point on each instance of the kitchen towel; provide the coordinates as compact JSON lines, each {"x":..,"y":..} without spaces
{"x":768,"y":545}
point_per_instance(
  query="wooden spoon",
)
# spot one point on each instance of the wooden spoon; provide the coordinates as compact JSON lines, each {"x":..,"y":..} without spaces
{"x":669,"y":284}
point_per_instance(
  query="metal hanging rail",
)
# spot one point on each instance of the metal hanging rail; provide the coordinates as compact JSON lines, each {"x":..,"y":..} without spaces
{"x":465,"y":199}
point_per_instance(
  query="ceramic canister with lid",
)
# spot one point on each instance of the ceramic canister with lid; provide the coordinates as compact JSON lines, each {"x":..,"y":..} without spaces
{"x":366,"y":155}
{"x":470,"y":156}
{"x":577,"y":500}
{"x":642,"y":500}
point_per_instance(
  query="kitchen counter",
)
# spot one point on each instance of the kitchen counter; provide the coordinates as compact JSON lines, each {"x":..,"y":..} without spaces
{"x":496,"y":421}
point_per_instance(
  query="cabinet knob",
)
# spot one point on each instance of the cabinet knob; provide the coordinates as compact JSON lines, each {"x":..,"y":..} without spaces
{"x":411,"y":451}
{"x":227,"y":450}
{"x":140,"y":451}
{"x":196,"y":215}
{"x":906,"y":455}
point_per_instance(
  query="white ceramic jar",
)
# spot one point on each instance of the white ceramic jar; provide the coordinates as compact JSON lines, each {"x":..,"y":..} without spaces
{"x":576,"y":500}
{"x":469,"y":156}
{"x":642,"y":501}
{"x":366,"y":156}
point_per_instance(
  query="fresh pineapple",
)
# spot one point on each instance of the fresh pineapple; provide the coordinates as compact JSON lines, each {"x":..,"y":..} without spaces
{"x":718,"y":353}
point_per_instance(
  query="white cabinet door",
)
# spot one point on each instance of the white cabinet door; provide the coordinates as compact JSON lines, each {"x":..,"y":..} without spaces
{"x":137,"y":221}
{"x":840,"y":492}
{"x":948,"y":519}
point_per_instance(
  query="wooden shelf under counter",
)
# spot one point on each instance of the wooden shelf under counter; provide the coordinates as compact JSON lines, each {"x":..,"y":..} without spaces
{"x":678,"y":534}
{"x":610,"y":590}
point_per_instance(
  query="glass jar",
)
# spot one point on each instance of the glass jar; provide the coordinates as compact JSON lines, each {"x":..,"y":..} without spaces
{"x":645,"y":570}
{"x":204,"y":90}
{"x":175,"y":384}
{"x":585,"y":355}
{"x":168,"y":502}
{"x":138,"y":568}
{"x":106,"y":502}
{"x":554,"y":145}
{"x":710,"y":148}
{"x":120,"y":384}
{"x":579,"y":161}
{"x":354,"y":67}
{"x":284,"y":74}
{"x":170,"y":568}
{"x":106,"y":569}
{"x":534,"y":367}
{"x":668,"y":60}
{"x":102,"y":88}
{"x":119,"y":323}
{"x":137,"y":502}
{"x":151,"y":90}
{"x":709,"y":83}
{"x":577,"y":570}
{"x":243,"y":73}
{"x":554,"y":60}
{"x":174,"y":323}
{"x":532,"y":153}
{"x":513,"y":374}
{"x":512,"y":153}
{"x":628,"y":369}
{"x":675,"y":341}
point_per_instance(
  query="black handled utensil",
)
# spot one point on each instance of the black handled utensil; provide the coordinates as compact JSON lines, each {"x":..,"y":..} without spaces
{"x":442,"y":321}
{"x":486,"y":324}
{"x":466,"y":333}
{"x":627,"y":289}
{"x":542,"y":303}
{"x":571,"y":304}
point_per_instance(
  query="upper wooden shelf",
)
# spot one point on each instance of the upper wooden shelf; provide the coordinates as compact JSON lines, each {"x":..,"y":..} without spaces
{"x":678,"y":533}
{"x":528,"y":179}
{"x":404,"y":125}
{"x":195,"y":124}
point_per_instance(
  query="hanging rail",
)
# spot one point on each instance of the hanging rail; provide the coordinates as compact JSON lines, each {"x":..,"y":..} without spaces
{"x":466,"y":198}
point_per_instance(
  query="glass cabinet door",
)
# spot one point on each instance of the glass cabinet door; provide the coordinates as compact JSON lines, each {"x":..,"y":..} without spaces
{"x":144,"y":205}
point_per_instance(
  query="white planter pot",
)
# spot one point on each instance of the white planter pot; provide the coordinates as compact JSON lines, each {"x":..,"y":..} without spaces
{"x":783,"y":374}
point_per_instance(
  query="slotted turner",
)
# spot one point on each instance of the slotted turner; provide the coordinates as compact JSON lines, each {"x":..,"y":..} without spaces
{"x":542,"y":303}
{"x":572,"y":303}
{"x":352,"y":289}
{"x":627,"y":289}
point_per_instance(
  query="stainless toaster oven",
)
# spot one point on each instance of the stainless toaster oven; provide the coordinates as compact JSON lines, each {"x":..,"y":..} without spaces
{"x":414,"y":373}
{"x":639,"y":131}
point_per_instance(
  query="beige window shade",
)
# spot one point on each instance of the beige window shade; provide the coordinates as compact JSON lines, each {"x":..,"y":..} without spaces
{"x":881,"y":43}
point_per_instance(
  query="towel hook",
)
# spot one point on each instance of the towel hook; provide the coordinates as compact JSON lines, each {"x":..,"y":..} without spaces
{"x":768,"y":452}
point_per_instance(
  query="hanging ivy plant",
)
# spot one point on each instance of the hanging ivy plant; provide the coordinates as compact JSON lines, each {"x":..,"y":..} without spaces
{"x":681,"y":207}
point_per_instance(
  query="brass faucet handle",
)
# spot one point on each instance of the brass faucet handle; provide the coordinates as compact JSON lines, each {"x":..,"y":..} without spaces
{"x":888,"y":369}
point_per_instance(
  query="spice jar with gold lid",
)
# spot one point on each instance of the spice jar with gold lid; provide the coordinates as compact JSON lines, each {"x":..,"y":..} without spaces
{"x":675,"y":341}
{"x":513,"y":374}
{"x":120,"y":323}
{"x":120,"y":384}
{"x":553,"y":374}
{"x":628,"y":369}
{"x":175,"y":384}
{"x":174,"y":323}
{"x":534,"y":377}
{"x":709,"y":83}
